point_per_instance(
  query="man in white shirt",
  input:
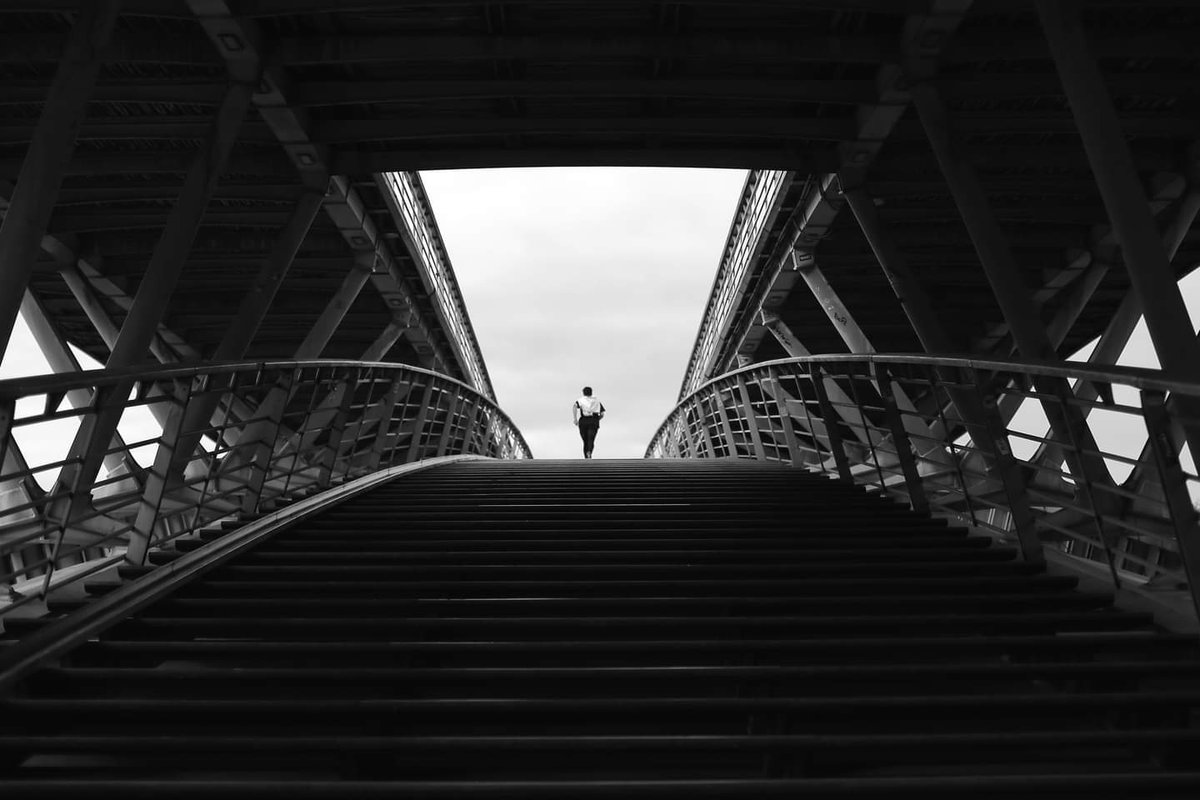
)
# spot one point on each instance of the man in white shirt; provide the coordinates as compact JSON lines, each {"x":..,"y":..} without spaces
{"x":587,"y":413}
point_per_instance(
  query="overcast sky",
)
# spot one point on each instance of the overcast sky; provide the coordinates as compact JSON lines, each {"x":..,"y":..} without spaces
{"x":585,"y":277}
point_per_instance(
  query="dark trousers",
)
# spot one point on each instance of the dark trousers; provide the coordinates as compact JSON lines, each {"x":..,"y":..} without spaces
{"x":587,"y":431}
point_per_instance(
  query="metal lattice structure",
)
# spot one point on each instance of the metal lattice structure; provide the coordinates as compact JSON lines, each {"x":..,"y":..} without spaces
{"x":959,"y":457}
{"x":213,"y":180}
{"x":280,"y":430}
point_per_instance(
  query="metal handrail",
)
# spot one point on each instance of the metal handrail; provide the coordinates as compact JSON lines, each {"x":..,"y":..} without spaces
{"x":279,"y":430}
{"x":943,"y":433}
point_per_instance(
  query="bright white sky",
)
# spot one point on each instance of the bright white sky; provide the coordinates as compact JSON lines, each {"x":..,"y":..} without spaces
{"x":585,"y":277}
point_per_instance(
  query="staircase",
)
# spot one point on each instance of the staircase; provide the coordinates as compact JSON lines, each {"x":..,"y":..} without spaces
{"x":616,"y":629}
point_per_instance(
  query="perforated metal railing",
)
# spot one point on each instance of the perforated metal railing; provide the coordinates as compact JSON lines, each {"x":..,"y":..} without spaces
{"x":280,"y":430}
{"x":1092,"y":464}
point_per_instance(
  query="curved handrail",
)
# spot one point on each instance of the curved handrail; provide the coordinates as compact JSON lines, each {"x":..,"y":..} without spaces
{"x":223,"y":440}
{"x":1137,"y":377}
{"x":1024,"y":449}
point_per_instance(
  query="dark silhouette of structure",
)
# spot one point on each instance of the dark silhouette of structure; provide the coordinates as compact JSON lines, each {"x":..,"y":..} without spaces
{"x":220,"y":201}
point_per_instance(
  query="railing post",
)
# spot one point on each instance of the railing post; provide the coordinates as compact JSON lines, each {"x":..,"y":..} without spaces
{"x":760,"y":452}
{"x":785,"y":417}
{"x":337,"y":428}
{"x":719,"y":399}
{"x":142,"y":534}
{"x":836,"y":446}
{"x":1078,"y":459}
{"x":702,"y":423}
{"x":387,"y":407}
{"x":1174,"y":484}
{"x":1008,"y":470}
{"x":259,"y":464}
{"x":448,"y":425}
{"x":414,"y":444}
{"x":873,"y":441}
{"x":908,"y":464}
{"x":470,"y":425}
{"x":964,"y":408}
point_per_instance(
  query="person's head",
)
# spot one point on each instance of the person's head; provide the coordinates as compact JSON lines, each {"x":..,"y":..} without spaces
{"x":587,"y":391}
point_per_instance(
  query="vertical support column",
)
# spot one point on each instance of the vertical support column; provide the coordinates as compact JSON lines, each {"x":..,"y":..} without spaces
{"x":49,"y":153}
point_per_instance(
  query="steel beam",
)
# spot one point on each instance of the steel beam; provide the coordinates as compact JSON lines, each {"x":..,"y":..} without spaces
{"x":250,"y":315}
{"x":434,"y":130}
{"x":291,"y":128}
{"x":1005,"y":278}
{"x":1084,"y":270}
{"x":336,"y":308}
{"x":50,"y":149}
{"x":991,"y":245}
{"x":743,"y":155}
{"x":924,"y":37}
{"x":857,"y":341}
{"x":165,"y":346}
{"x":257,"y":301}
{"x":264,"y":432}
{"x":365,"y":49}
{"x":1099,"y":126}
{"x":831,"y":303}
{"x":907,"y":288}
{"x":170,"y":254}
{"x":335,"y":93}
{"x":60,"y":359}
{"x":150,"y":304}
{"x":840,"y":402}
{"x":383,"y":343}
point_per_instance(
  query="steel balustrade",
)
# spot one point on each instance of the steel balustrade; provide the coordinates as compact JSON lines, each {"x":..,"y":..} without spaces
{"x":838,"y":414}
{"x":282,"y":429}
